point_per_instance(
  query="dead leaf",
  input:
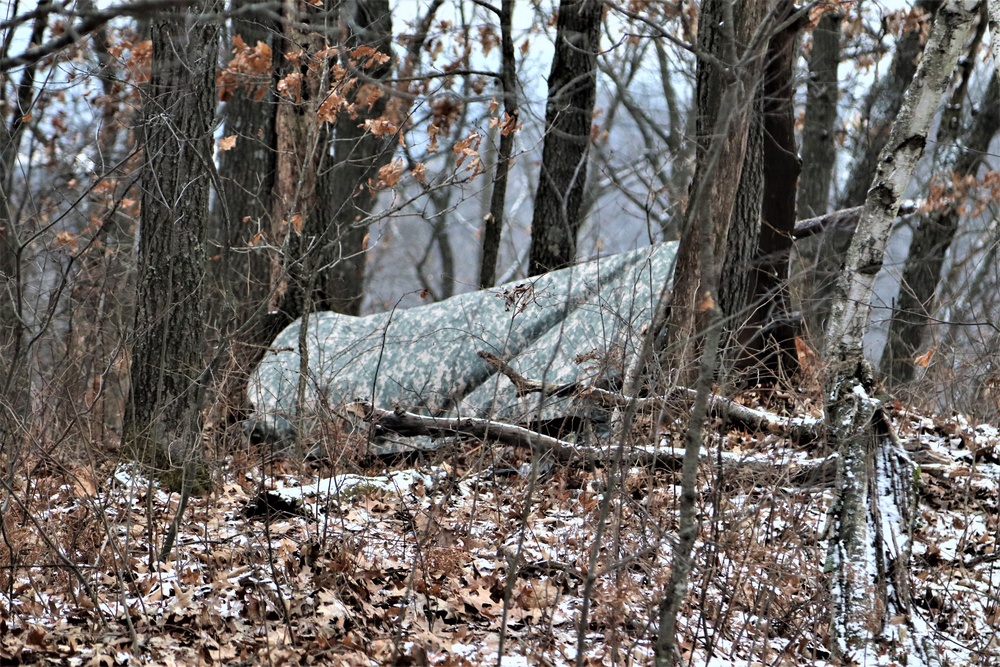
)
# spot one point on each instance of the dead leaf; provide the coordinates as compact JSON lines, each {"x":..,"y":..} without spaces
{"x":389,"y":174}
{"x":227,"y":143}
{"x":924,"y":360}
{"x":707,"y":303}
{"x":419,"y":172}
{"x":805,"y":353}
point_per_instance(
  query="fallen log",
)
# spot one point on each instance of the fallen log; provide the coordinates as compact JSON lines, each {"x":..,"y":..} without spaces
{"x":801,"y":430}
{"x":799,"y":471}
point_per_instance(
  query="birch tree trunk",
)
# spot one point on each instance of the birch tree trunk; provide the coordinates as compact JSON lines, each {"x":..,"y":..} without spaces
{"x":931,"y":240}
{"x":879,"y":110}
{"x":993,"y":7}
{"x":869,"y":522}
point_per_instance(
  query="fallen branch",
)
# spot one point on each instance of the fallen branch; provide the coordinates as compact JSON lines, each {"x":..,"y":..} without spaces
{"x":802,"y":472}
{"x":798,"y":429}
{"x":410,"y":424}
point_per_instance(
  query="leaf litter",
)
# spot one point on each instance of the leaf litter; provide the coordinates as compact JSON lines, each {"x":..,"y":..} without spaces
{"x":450,"y":562}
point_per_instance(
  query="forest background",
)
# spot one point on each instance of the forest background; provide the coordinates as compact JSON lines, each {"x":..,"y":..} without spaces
{"x":183,"y":179}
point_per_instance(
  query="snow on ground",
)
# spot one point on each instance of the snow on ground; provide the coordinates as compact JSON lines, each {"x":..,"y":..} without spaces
{"x":468,"y":558}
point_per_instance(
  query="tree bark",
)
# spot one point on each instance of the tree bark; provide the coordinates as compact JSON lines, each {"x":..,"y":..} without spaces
{"x":324,"y":172}
{"x":765,"y":348}
{"x":242,"y":213}
{"x":931,"y":241}
{"x":993,"y":10}
{"x":246,"y":174}
{"x":493,"y":223}
{"x":568,"y":118}
{"x":345,"y":193}
{"x":818,"y":143}
{"x":708,"y":218}
{"x":14,"y":402}
{"x":162,"y":416}
{"x":724,"y":111}
{"x":736,"y":278}
{"x":880,"y":108}
{"x":302,"y":137}
{"x":868,"y":553}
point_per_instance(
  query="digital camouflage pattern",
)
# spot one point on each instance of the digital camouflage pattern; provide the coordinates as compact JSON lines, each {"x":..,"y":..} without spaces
{"x":583,"y":323}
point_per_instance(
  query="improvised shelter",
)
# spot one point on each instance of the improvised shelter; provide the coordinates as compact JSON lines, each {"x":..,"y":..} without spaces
{"x":582,"y":323}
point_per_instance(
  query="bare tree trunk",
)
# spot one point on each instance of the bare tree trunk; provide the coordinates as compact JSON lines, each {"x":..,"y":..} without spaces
{"x":736,"y":278}
{"x":709,"y":224}
{"x":345,"y":196}
{"x":818,"y":145}
{"x":14,"y":401}
{"x":868,"y":567}
{"x":880,"y":109}
{"x":568,"y":118}
{"x":725,"y":103}
{"x":246,"y":172}
{"x":993,"y":9}
{"x":162,"y":415}
{"x":302,"y":137}
{"x":243,"y":210}
{"x":766,"y":344}
{"x":493,"y":227}
{"x":322,"y":193}
{"x":931,"y":241}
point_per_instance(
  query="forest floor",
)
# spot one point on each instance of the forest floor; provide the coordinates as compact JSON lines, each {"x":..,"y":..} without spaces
{"x":467,"y":556}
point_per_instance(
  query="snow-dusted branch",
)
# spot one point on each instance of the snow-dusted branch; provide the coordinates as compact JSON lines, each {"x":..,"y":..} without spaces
{"x":797,"y":429}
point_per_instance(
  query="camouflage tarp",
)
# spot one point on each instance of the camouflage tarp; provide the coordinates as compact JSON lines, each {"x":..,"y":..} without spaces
{"x":580,"y":323}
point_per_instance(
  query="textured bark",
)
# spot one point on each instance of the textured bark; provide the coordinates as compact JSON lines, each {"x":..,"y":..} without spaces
{"x":736,"y":280}
{"x":723,"y":107}
{"x":880,"y":108}
{"x":161,"y":425}
{"x":243,"y":210}
{"x":951,"y":125}
{"x":868,"y":566}
{"x":818,"y":145}
{"x":568,"y":113}
{"x":332,"y":240}
{"x":766,"y":346}
{"x":931,"y":241}
{"x":325,"y":173}
{"x":301,"y":139}
{"x":246,"y":174}
{"x":493,"y":223}
{"x":993,"y":10}
{"x":724,"y":115}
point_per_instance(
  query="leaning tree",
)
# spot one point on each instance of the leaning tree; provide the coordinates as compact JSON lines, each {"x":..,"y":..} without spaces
{"x":869,"y":543}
